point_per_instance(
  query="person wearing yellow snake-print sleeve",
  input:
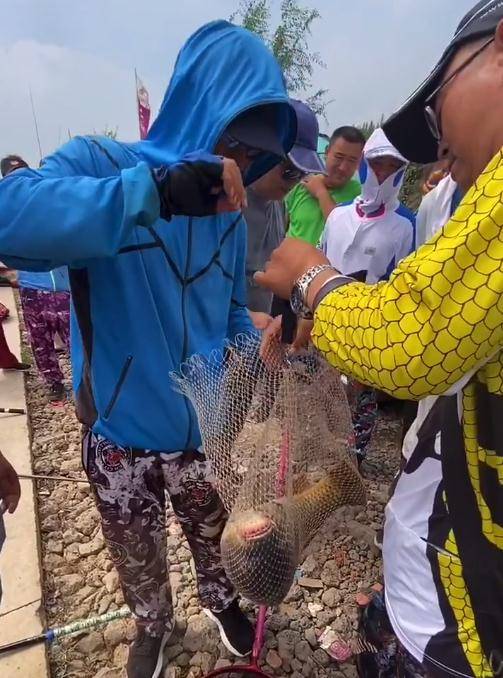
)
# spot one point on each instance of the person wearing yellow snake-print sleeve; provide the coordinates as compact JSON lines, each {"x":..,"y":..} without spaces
{"x":434,"y":333}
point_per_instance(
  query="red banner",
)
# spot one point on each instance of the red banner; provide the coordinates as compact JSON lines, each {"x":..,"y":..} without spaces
{"x":143,"y":107}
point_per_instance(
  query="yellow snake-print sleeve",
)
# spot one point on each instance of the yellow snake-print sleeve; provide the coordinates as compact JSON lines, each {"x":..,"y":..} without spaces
{"x":440,"y":314}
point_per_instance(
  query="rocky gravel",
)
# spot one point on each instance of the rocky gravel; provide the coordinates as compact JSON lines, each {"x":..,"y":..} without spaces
{"x":80,"y":581}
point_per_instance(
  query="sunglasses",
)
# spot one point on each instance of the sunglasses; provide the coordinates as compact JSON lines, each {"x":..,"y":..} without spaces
{"x":251,"y":152}
{"x":292,"y":173}
{"x":432,"y":118}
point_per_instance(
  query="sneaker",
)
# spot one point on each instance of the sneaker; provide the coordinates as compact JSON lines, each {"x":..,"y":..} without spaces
{"x":146,"y":655}
{"x":236,"y":630}
{"x":18,"y":367}
{"x":57,"y":393}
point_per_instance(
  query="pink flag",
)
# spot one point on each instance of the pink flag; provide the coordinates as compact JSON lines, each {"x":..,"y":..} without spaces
{"x":143,"y":107}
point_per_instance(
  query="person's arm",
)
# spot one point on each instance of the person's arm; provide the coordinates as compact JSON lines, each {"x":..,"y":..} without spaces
{"x":434,"y":322}
{"x":317,"y":188}
{"x":303,"y":336}
{"x":239,"y":317}
{"x":10,"y":490}
{"x":61,"y":213}
{"x":64,"y":214}
{"x":438,"y":318}
{"x":326,"y":203}
{"x":260,"y":320}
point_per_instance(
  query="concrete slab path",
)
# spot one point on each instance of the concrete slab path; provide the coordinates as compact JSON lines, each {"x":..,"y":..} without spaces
{"x":21,"y":610}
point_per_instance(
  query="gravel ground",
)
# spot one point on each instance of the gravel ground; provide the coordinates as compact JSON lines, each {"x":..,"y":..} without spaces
{"x":79,"y":579}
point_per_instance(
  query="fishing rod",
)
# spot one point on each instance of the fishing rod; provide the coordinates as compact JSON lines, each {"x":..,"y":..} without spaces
{"x":35,"y":123}
{"x":67,"y":479}
{"x":51,"y":635}
{"x":12,"y":410}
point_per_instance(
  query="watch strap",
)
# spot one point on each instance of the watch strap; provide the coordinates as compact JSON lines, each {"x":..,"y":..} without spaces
{"x":329,"y":286}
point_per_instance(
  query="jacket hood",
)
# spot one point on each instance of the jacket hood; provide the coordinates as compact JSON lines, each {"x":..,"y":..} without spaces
{"x":375,"y":196}
{"x":221,"y":71}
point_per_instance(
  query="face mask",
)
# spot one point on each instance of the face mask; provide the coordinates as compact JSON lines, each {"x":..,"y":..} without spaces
{"x":375,"y":196}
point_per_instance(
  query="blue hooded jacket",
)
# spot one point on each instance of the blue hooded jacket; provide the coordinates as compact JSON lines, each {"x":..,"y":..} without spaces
{"x":147,"y":293}
{"x":51,"y":281}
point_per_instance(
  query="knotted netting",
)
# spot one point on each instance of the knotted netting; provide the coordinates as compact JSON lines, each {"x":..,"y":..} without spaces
{"x":277,"y":433}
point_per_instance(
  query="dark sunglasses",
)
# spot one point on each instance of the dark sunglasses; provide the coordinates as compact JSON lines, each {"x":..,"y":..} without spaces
{"x":251,"y":152}
{"x":432,"y":118}
{"x":291,"y":173}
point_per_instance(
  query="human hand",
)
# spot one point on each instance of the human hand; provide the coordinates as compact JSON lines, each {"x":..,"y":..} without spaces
{"x":315,"y":184}
{"x":303,"y":336}
{"x":10,"y":490}
{"x":287,"y":264}
{"x":233,"y":197}
{"x":272,"y":351}
{"x":199,"y":185}
{"x":260,"y":320}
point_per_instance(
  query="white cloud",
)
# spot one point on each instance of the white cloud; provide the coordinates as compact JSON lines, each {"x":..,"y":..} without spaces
{"x":71,"y":90}
{"x":79,"y":57}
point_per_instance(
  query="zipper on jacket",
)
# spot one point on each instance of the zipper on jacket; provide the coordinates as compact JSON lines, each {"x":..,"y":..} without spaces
{"x":118,"y":386}
{"x":184,"y":320}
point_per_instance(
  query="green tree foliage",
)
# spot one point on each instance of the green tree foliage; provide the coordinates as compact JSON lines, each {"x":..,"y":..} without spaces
{"x":410,"y":194}
{"x":367,"y":128}
{"x":110,"y":133}
{"x":289,"y":41}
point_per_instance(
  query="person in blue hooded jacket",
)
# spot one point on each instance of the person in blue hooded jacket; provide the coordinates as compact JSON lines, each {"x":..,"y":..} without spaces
{"x":147,"y":294}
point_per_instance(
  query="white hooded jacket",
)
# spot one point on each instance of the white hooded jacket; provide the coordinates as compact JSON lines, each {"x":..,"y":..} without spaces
{"x":373,"y":233}
{"x":435,"y":210}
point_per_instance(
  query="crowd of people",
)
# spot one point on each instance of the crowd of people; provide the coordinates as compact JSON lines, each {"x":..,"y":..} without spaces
{"x":199,"y":233}
{"x":45,"y":300}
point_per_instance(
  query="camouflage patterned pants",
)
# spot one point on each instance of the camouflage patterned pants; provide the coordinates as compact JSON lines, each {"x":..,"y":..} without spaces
{"x":46,"y":313}
{"x":130,"y":488}
{"x":364,"y":415}
{"x":382,"y":655}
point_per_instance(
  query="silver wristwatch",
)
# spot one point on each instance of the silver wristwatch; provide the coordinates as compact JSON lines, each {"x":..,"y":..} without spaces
{"x":298,"y":298}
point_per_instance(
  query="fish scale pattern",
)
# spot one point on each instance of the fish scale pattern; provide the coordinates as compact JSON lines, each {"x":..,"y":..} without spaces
{"x":436,"y":322}
{"x":451,"y":574}
{"x":440,"y":314}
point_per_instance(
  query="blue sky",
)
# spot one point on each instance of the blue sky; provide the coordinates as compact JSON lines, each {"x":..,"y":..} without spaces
{"x":78,"y":57}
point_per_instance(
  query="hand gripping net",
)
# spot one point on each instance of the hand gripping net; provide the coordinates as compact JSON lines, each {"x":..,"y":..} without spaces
{"x":278,"y":441}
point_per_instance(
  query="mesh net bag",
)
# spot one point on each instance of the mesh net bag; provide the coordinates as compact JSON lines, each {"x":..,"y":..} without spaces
{"x":278,"y":439}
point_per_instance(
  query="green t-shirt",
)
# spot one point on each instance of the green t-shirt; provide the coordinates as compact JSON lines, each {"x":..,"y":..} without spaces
{"x":306,"y":218}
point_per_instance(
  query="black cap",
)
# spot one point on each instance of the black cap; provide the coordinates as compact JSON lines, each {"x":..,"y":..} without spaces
{"x":258,"y":128}
{"x":407,"y":129}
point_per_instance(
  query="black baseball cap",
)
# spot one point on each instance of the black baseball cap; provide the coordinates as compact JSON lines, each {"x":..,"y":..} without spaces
{"x":407,"y":129}
{"x":258,"y":128}
{"x":304,"y":152}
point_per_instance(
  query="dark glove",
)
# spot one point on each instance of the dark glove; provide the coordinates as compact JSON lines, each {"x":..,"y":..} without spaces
{"x":186,"y":187}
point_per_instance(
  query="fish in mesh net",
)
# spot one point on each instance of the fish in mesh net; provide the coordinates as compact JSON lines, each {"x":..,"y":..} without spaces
{"x":278,"y":435}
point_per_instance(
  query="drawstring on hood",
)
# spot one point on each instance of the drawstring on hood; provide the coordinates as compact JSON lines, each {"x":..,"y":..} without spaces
{"x":384,"y":197}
